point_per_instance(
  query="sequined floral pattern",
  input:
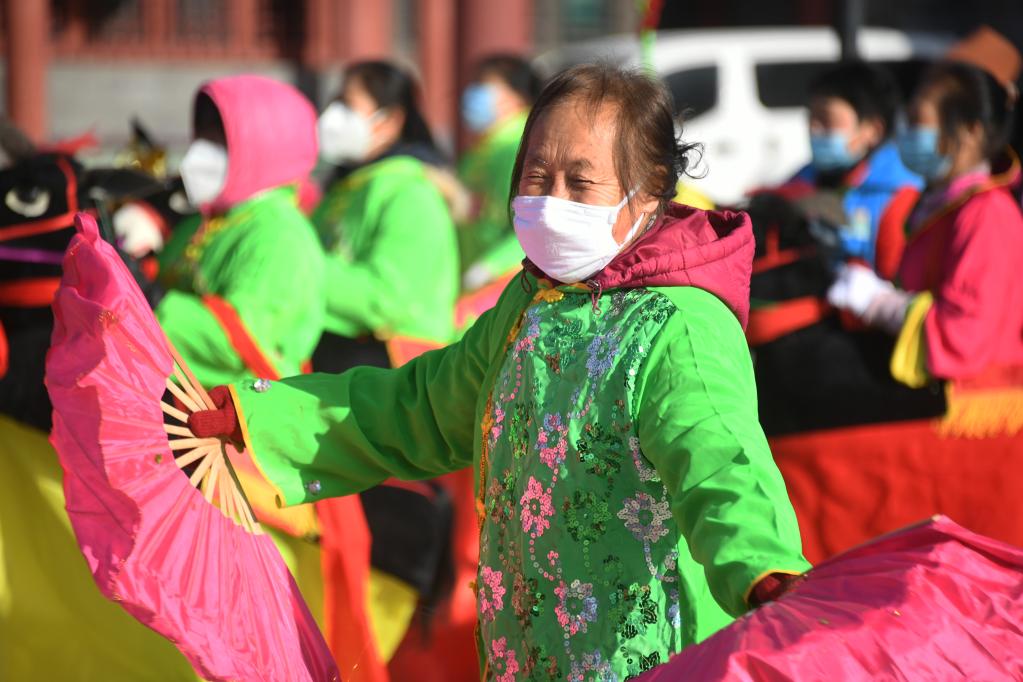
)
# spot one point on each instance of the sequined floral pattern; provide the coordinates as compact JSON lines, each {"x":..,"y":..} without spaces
{"x":591,"y":666}
{"x":576,"y":606}
{"x":551,"y":441}
{"x":491,"y":593}
{"x":536,"y":508}
{"x":644,"y":517}
{"x":578,"y":549}
{"x":503,"y":660}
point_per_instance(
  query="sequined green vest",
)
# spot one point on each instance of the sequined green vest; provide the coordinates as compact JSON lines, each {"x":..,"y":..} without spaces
{"x":579,"y":556}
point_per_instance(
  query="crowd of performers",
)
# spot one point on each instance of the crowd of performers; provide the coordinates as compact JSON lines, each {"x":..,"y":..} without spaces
{"x":502,"y":416}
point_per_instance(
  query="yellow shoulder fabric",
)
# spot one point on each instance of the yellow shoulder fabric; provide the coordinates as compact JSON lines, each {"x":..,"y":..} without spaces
{"x":909,"y":359}
{"x":690,"y":196}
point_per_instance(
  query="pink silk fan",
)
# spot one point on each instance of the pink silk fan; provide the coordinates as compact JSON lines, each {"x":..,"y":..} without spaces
{"x":158,"y":513}
{"x":929,"y":602}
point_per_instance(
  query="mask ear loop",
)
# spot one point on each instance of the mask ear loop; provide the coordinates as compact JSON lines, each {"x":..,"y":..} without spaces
{"x":635,"y":226}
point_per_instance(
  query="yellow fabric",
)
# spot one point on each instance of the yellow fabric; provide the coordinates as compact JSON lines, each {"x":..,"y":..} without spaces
{"x":302,"y":557}
{"x":690,"y":196}
{"x":391,"y":603}
{"x":982,"y":413}
{"x":54,"y":623}
{"x":909,"y":359}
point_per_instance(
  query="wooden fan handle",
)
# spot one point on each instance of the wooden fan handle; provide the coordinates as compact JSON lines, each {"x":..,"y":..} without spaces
{"x":183,"y":431}
{"x":191,"y":456}
{"x":225,"y":501}
{"x":187,"y":385}
{"x":191,"y":377}
{"x":201,"y":470}
{"x":211,"y":482}
{"x":188,"y":443}
{"x":181,"y":395}
{"x":174,"y":412}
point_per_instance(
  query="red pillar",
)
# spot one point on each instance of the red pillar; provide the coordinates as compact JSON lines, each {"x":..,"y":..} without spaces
{"x":489,"y":26}
{"x":438,"y":64}
{"x":28,"y":51}
{"x":242,"y":22}
{"x":319,"y":42}
{"x":366,"y":29}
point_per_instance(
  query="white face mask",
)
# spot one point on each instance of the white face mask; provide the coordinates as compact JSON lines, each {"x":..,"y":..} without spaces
{"x":345,"y":135}
{"x":567,"y":240}
{"x":204,"y":171}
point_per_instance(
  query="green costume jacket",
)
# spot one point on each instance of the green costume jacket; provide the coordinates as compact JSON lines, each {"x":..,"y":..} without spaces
{"x":392,"y":264}
{"x":262,"y":259}
{"x":627,"y":497}
{"x":486,"y":170}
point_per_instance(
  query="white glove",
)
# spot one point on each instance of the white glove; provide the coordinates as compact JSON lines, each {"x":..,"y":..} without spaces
{"x":137,"y":230}
{"x":476,"y":276}
{"x":856,"y":287}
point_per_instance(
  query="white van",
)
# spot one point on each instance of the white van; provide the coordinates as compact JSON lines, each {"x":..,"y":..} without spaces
{"x":745,"y":90}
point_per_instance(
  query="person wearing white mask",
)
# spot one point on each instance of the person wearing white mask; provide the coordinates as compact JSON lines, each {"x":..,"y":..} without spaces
{"x":627,"y":501}
{"x":392,"y":280}
{"x":494,"y":108}
{"x":245,"y":276}
{"x":391,"y":255}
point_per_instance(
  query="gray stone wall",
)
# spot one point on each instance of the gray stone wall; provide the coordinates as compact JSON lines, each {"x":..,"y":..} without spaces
{"x":103,"y":96}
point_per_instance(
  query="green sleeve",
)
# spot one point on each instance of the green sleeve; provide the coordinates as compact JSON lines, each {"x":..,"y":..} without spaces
{"x":698,"y":426}
{"x":408,"y":283}
{"x":350,"y":431}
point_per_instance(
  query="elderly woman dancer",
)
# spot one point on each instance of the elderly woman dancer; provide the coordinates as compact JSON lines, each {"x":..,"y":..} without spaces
{"x":628,"y":502}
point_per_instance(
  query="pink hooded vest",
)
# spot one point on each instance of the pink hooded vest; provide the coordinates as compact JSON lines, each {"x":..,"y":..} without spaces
{"x":271,"y":136}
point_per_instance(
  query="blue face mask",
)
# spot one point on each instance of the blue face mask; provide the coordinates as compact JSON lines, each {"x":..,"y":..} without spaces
{"x":479,"y":107}
{"x":918,"y":147}
{"x":830,"y":152}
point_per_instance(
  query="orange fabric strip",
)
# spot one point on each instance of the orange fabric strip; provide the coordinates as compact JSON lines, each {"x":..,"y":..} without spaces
{"x":401,"y":349}
{"x":891,"y":232}
{"x":36,"y":292}
{"x":777,"y":259}
{"x":768,"y":324}
{"x":61,"y":222}
{"x":241,"y":340}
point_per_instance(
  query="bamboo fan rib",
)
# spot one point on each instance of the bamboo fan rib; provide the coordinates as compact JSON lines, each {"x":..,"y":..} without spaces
{"x":212,"y":473}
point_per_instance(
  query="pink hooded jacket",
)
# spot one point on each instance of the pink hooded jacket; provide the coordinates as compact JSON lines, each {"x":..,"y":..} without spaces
{"x":271,"y":136}
{"x":968,"y":255}
{"x":710,"y":250}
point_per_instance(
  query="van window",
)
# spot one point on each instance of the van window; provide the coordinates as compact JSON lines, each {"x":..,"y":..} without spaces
{"x":787,"y":84}
{"x":695,"y":91}
{"x":782,"y":85}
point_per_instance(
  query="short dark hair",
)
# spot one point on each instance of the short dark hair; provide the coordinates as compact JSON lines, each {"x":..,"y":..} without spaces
{"x":206,"y":120}
{"x":647,"y":151}
{"x":391,"y":86}
{"x":870,"y":89}
{"x":514,"y":71}
{"x":967,"y":95}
